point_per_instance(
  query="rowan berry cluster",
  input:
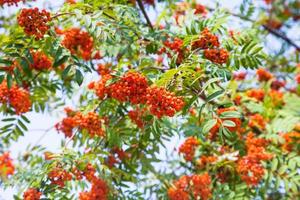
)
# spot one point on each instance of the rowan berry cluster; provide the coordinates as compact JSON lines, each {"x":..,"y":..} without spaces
{"x":205,"y":160}
{"x":239,"y":76}
{"x":219,"y":56}
{"x":276,"y":97}
{"x":90,"y":122}
{"x":16,"y":97}
{"x":249,"y":167}
{"x":263,"y":75}
{"x":211,"y":45}
{"x":40,"y":61}
{"x":188,"y":148}
{"x":6,"y":165}
{"x":34,"y":22}
{"x":162,"y":102}
{"x":100,"y":87}
{"x":79,"y":42}
{"x":59,"y":176}
{"x":99,"y":191}
{"x":277,"y":84}
{"x":32,"y":194}
{"x":206,"y":40}
{"x":292,"y":140}
{"x":257,"y":94}
{"x":10,"y":2}
{"x":176,"y":46}
{"x":257,"y":121}
{"x":117,"y":155}
{"x":198,"y":185}
{"x":137,"y":117}
{"x":200,"y":9}
{"x":133,"y":87}
{"x":103,"y":69}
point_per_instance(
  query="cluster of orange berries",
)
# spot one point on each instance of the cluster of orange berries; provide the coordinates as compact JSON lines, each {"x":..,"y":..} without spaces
{"x":219,"y":56}
{"x":136,"y":116}
{"x":292,"y":140}
{"x":198,"y":185}
{"x":205,"y":160}
{"x":99,"y":191}
{"x":40,"y":61}
{"x":116,"y":156}
{"x":210,"y":43}
{"x":239,"y":76}
{"x":257,"y":121}
{"x":277,"y":84}
{"x":276,"y":97}
{"x":188,"y":148}
{"x":6,"y":165}
{"x":34,"y":21}
{"x":257,"y":94}
{"x":90,"y":122}
{"x":10,"y":2}
{"x":206,"y":40}
{"x":133,"y":87}
{"x":32,"y":194}
{"x":175,"y":46}
{"x":100,"y":87}
{"x":200,"y":9}
{"x":16,"y":97}
{"x":249,"y":166}
{"x":79,"y":42}
{"x":162,"y":102}
{"x":59,"y":176}
{"x":263,"y":75}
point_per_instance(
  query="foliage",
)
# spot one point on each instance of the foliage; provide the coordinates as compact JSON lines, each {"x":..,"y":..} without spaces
{"x":142,"y":87}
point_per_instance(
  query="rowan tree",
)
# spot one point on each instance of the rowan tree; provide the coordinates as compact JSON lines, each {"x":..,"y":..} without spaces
{"x":223,"y":84}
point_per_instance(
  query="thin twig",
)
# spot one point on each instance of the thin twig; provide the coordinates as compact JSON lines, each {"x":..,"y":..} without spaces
{"x":43,"y":135}
{"x":61,"y":14}
{"x":145,"y":13}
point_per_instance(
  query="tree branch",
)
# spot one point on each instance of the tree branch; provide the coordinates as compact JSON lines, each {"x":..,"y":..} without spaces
{"x":274,"y":32}
{"x":282,"y":36}
{"x":144,"y":13}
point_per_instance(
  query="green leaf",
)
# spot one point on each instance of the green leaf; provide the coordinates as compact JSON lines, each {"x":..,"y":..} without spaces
{"x":66,"y":71}
{"x":230,"y":114}
{"x":214,"y":95}
{"x":1,"y":78}
{"x":228,"y":123}
{"x":9,"y":80}
{"x":60,"y":61}
{"x":78,"y":77}
{"x":208,"y":125}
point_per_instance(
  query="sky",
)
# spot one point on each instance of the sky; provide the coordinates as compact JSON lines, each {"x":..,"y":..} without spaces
{"x":41,"y":122}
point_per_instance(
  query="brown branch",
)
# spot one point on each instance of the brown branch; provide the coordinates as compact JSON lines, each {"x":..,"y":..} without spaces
{"x":282,"y":36}
{"x":144,"y":13}
{"x":274,"y":32}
